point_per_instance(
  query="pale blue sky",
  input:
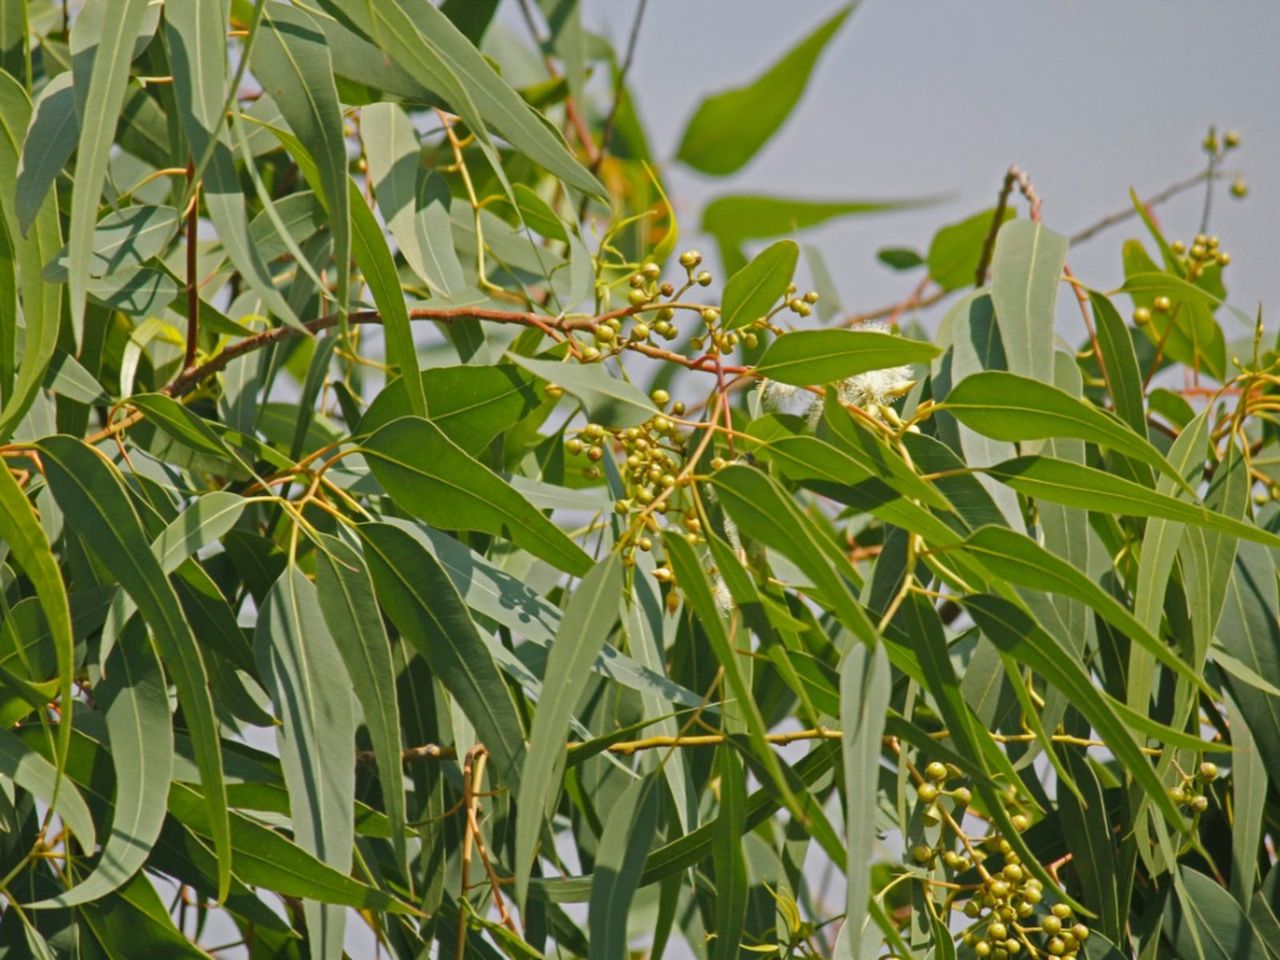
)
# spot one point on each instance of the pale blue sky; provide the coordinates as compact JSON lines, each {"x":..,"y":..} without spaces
{"x":926,"y":97}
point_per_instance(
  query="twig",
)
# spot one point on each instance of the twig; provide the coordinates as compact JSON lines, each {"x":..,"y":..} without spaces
{"x":989,"y":242}
{"x":606,"y":132}
{"x":570,"y":107}
{"x":1168,"y":193}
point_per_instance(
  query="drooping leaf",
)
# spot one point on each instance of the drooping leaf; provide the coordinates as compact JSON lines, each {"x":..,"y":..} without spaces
{"x":109,"y":54}
{"x":135,"y":703}
{"x":86,"y":485}
{"x":300,"y":665}
{"x":431,"y":476}
{"x":1007,"y":406}
{"x":864,"y":697}
{"x":350,"y":609}
{"x":588,"y":621}
{"x":608,"y":400}
{"x":420,"y":600}
{"x":729,"y":128}
{"x":627,"y":837}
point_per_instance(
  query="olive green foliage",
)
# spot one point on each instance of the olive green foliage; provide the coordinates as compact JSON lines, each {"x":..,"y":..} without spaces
{"x":408,"y":547}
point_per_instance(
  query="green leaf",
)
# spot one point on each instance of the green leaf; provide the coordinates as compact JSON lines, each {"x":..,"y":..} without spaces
{"x":50,"y":141}
{"x":21,"y":532}
{"x":425,"y":42}
{"x":87,"y":486}
{"x":41,"y":301}
{"x":1205,"y":922}
{"x":195,"y":38}
{"x":537,"y":213}
{"x":628,"y":834}
{"x":1124,"y":379}
{"x":33,"y":773}
{"x":729,"y":128}
{"x":1249,"y":783}
{"x":1250,"y":632}
{"x":291,"y":60}
{"x":739,"y":217}
{"x":1018,"y":559}
{"x":753,"y":291}
{"x":135,"y":702}
{"x":301,"y":668}
{"x":104,"y":88}
{"x":865,"y":685}
{"x":1076,"y":485}
{"x":608,"y":400}
{"x":805,"y":357}
{"x":765,"y":513}
{"x":122,"y":239}
{"x":1007,"y":406}
{"x":374,"y":259}
{"x":351,"y":613}
{"x":1025,"y":272}
{"x":433,"y":478}
{"x":134,"y":921}
{"x":470,"y":404}
{"x":727,"y":857}
{"x":420,"y":600}
{"x":901,"y":258}
{"x":1014,"y":632}
{"x":414,"y":202}
{"x":268,"y":859}
{"x":588,"y":620}
{"x":956,"y":250}
{"x":181,"y":424}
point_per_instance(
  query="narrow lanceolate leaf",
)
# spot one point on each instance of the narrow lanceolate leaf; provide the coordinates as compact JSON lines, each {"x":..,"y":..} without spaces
{"x":1123,"y":378}
{"x":1076,"y":485}
{"x":1025,"y":272}
{"x":379,"y":269}
{"x":87,"y":486}
{"x":291,"y":60}
{"x":102,"y":99}
{"x":727,"y":856}
{"x":744,"y":217}
{"x":729,"y":128}
{"x":766,"y":513}
{"x":1014,"y":632}
{"x":1006,"y":406}
{"x":50,"y":141}
{"x":628,"y":834}
{"x":32,"y":249}
{"x":865,"y":684}
{"x":433,"y":478}
{"x":195,"y":38}
{"x":421,"y":601}
{"x":21,"y":532}
{"x":588,"y":621}
{"x":808,"y":357}
{"x":351,"y":612}
{"x":1017,"y":558}
{"x":755,"y":289}
{"x":33,"y":773}
{"x":426,"y":43}
{"x":608,"y":400}
{"x":135,"y":702}
{"x":271,"y":860}
{"x":301,"y":667}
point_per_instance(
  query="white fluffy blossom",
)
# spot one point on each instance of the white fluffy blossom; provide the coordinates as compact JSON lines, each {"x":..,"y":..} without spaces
{"x":868,"y":390}
{"x":875,"y":387}
{"x":720,"y":593}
